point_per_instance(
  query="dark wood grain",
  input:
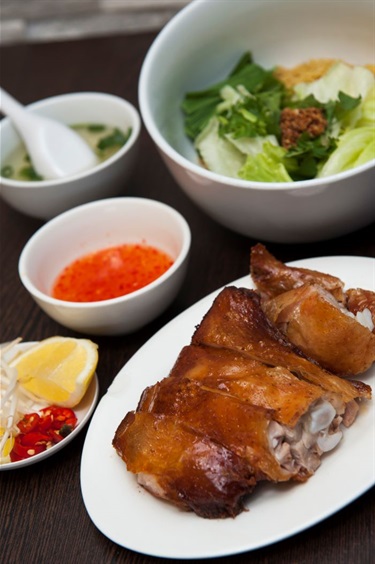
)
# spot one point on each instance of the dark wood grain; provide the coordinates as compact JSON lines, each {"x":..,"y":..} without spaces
{"x":42,"y":515}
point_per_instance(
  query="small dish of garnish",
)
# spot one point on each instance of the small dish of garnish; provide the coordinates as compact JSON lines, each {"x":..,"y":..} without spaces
{"x":49,"y":391}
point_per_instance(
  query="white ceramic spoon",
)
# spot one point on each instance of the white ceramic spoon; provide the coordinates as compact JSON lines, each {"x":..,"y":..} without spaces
{"x":55,"y":149}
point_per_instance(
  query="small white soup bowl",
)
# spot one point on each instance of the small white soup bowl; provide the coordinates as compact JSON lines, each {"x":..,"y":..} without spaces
{"x":99,"y":225}
{"x":199,"y":47}
{"x":47,"y":198}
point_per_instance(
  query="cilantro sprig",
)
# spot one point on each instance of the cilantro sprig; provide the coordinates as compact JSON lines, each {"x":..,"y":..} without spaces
{"x":200,"y":106}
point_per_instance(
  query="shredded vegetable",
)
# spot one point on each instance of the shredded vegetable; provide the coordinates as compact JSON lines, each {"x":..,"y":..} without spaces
{"x":14,"y":401}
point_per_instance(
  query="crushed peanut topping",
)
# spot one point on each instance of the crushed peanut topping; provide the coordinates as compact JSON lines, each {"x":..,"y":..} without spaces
{"x":294,"y":122}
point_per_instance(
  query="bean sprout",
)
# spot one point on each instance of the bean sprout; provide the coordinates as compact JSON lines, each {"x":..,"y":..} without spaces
{"x":14,"y":400}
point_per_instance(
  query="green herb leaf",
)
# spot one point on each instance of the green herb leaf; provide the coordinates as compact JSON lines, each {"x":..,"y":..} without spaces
{"x":66,"y":430}
{"x":7,"y":171}
{"x":200,"y":106}
{"x":96,"y":127}
{"x":255,"y":116}
{"x":29,"y":173}
{"x":304,"y":160}
{"x":117,"y":138}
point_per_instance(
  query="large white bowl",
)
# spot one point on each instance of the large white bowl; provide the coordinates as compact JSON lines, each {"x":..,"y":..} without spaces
{"x":46,"y":199}
{"x":200,"y":46}
{"x":98,"y":225}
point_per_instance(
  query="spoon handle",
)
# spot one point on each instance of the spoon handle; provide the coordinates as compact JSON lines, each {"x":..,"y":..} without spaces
{"x":12,"y":108}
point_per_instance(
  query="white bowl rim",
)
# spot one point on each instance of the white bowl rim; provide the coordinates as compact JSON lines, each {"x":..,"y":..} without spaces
{"x":38,"y":294}
{"x":136,"y":129}
{"x":226,"y":182}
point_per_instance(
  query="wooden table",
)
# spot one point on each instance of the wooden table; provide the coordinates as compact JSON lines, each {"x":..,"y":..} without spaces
{"x":42,"y":515}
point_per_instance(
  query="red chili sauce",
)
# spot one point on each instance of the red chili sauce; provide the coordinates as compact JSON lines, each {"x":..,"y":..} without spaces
{"x":110,"y":273}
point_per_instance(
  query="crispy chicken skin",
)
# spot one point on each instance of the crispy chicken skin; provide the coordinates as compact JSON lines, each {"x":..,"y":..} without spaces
{"x":359,"y":300}
{"x":279,"y":444}
{"x":314,"y":321}
{"x":272,"y":277}
{"x":237,"y":322}
{"x":235,"y":374}
{"x":239,"y":426}
{"x":184,"y":467}
{"x":331,"y":326}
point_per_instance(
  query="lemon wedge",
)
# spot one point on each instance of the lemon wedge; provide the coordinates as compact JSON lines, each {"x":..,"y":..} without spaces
{"x":58,"y":370}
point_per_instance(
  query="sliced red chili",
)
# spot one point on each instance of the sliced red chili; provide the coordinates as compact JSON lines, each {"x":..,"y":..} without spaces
{"x":38,"y":432}
{"x":28,"y":423}
{"x":55,"y":435}
{"x":25,"y":451}
{"x":45,"y":423}
{"x":19,"y":449}
{"x":61,"y":416}
{"x":14,"y":457}
{"x":34,"y":438}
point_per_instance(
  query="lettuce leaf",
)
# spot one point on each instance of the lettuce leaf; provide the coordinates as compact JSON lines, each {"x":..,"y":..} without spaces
{"x":354,"y":81}
{"x":251,"y":145}
{"x":266,"y":166}
{"x":355,"y":147}
{"x":218,"y":154}
{"x":367,"y":110}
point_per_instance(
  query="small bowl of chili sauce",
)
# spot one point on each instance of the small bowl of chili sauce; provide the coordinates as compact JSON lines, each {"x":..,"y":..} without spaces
{"x":108,"y":267}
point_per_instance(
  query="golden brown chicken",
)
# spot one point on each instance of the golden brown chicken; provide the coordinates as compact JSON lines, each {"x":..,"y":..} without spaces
{"x":235,"y":374}
{"x":184,"y":467}
{"x":314,"y":321}
{"x":236,"y":321}
{"x":240,"y":405}
{"x":272,"y":277}
{"x":334,"y":327}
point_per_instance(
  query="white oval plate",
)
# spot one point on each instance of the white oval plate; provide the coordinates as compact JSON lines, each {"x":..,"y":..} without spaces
{"x":133,"y":518}
{"x":83,"y":412}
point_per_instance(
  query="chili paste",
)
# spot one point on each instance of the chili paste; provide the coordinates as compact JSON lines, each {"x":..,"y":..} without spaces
{"x":110,"y":273}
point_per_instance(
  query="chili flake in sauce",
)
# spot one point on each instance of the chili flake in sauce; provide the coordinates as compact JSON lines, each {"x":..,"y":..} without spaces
{"x":110,"y":273}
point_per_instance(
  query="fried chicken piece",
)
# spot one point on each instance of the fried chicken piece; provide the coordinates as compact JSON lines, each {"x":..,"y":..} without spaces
{"x":316,"y":323}
{"x":275,"y":452}
{"x":272,"y":277}
{"x":295,"y":121}
{"x":235,"y":374}
{"x":239,"y":426}
{"x":237,"y":322}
